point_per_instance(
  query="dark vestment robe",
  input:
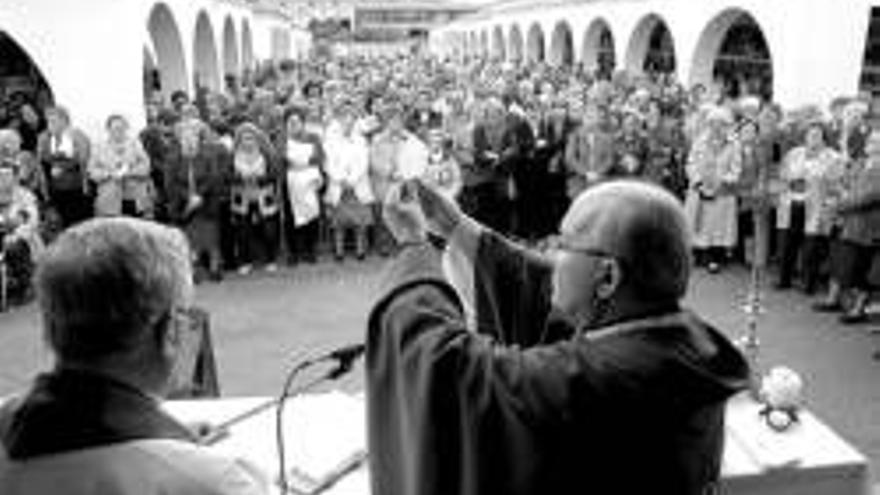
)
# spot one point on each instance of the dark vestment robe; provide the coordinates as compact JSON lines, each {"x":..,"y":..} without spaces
{"x":636,"y":408}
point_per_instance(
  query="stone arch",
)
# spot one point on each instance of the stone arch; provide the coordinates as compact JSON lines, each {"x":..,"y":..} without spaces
{"x":484,"y":43}
{"x":474,"y":44}
{"x":562,"y":45}
{"x":651,"y":47}
{"x":247,"y":46}
{"x":231,"y":59}
{"x":31,"y":84}
{"x":515,"y":52}
{"x":170,"y":58}
{"x":499,"y":46}
{"x":206,"y":60}
{"x":535,"y":44}
{"x":869,"y":80}
{"x":152,"y":78}
{"x":733,"y":51}
{"x":598,"y":53}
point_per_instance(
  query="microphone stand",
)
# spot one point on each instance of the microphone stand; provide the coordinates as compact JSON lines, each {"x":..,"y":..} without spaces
{"x":344,"y":363}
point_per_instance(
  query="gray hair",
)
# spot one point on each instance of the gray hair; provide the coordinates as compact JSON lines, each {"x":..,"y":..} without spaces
{"x":103,"y":284}
{"x":645,"y":227}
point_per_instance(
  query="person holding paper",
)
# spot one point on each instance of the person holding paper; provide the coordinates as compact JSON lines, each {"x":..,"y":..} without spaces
{"x":582,"y":372}
{"x":305,"y":159}
{"x":115,"y":295}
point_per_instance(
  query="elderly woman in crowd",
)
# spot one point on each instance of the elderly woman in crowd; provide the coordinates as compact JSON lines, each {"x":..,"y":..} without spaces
{"x":349,"y":195}
{"x":30,"y":174}
{"x":713,"y":171}
{"x":197,"y":185}
{"x":810,"y":182}
{"x":120,"y":169}
{"x":64,"y":153}
{"x":20,"y":241}
{"x":304,"y":157}
{"x":256,"y":201}
{"x":857,"y":248}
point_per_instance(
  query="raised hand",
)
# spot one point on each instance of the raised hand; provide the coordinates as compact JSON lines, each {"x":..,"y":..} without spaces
{"x":403,"y":214}
{"x":442,"y":214}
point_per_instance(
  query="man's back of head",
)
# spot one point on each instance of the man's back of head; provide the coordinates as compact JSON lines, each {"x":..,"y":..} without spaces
{"x":104,"y":285}
{"x":642,"y":225}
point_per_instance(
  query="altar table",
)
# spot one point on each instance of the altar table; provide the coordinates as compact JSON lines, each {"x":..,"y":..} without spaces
{"x":323,"y":430}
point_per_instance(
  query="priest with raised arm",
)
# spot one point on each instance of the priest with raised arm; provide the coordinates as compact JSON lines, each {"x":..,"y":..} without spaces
{"x":526,"y":373}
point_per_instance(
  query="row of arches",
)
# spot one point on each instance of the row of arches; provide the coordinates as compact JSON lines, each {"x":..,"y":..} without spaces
{"x":733,"y":43}
{"x":165,"y":63}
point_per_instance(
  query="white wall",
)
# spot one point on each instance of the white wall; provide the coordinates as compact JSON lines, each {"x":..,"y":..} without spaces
{"x":92,"y":57}
{"x":817,"y":45}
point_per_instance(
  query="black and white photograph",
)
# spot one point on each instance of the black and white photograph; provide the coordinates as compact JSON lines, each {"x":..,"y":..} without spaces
{"x":439,"y":247}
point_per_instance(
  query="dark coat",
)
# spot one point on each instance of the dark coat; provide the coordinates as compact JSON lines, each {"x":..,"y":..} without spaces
{"x":637,"y":408}
{"x":212,"y":170}
{"x":861,"y":209}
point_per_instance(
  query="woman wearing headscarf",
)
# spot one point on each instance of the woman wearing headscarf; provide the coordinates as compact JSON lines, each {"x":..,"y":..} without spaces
{"x":713,"y":170}
{"x":255,"y":202}
{"x":120,"y":169}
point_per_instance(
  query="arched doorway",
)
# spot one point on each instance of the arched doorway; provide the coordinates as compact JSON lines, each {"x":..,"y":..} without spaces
{"x":598,"y":54}
{"x":651,"y":48}
{"x":247,"y":47}
{"x":562,"y":45}
{"x":170,"y":60}
{"x":152,"y":78}
{"x":484,"y":44}
{"x":515,"y":53}
{"x":733,"y":53}
{"x":499,"y":48}
{"x":231,"y":67}
{"x":474,"y":45}
{"x":535,"y":44}
{"x":207,"y":70}
{"x":869,"y":82}
{"x":21,"y":81}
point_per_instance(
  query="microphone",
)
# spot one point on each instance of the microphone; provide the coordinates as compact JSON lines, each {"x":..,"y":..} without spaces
{"x":347,"y":353}
{"x":345,"y":358}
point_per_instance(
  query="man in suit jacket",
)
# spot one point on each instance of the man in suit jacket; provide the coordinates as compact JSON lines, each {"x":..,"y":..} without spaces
{"x":197,"y":187}
{"x":115,"y":296}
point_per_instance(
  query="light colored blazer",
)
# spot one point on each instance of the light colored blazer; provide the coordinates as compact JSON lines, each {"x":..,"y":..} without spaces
{"x":121,"y":172}
{"x":348,"y":165}
{"x":823,"y":176}
{"x":143,"y":467}
{"x":394,"y":159}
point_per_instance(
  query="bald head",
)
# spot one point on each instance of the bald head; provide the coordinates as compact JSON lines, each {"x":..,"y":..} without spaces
{"x":643,"y":226}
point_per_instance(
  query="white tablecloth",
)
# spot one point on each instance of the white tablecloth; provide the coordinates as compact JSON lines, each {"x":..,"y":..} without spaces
{"x":322,"y":430}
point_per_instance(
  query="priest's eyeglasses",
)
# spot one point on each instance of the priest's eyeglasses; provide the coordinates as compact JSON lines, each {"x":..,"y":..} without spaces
{"x":562,"y":244}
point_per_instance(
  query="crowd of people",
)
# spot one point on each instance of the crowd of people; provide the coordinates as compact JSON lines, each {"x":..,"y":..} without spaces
{"x":295,"y":162}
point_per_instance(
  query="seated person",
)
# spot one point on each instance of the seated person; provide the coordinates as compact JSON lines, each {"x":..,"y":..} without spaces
{"x":20,"y":241}
{"x":617,"y":390}
{"x":115,"y":298}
